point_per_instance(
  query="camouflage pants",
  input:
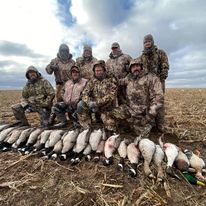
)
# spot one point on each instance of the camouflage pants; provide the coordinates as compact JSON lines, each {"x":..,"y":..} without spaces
{"x":84,"y":117}
{"x":58,"y":92}
{"x":121,"y":94}
{"x":19,"y":113}
{"x":137,"y":123}
{"x":160,"y":118}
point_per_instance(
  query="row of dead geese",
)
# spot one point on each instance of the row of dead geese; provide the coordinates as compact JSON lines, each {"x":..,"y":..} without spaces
{"x":73,"y":145}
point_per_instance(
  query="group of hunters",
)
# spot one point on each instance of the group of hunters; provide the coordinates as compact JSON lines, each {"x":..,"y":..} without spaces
{"x":120,"y":89}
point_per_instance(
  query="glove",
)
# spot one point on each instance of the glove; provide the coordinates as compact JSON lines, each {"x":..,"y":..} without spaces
{"x":54,"y":67}
{"x":28,"y":109}
{"x":93,"y":106}
{"x":164,"y":75}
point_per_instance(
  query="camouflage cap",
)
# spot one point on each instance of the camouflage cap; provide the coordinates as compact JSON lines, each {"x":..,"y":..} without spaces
{"x":148,"y":37}
{"x":31,"y":68}
{"x":87,"y":48}
{"x":136,"y":61}
{"x":101,"y":63}
{"x":115,"y":45}
{"x":75,"y":68}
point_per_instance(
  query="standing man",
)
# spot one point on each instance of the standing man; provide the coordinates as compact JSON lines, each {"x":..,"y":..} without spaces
{"x":71,"y":94}
{"x":61,"y":66}
{"x":144,"y":97}
{"x":99,"y":96}
{"x":156,"y":62}
{"x":37,"y":96}
{"x":85,"y":63}
{"x":118,"y":64}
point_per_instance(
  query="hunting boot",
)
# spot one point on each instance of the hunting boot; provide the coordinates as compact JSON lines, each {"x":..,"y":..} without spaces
{"x":74,"y":119}
{"x":51,"y":119}
{"x":44,"y":117}
{"x":20,"y":116}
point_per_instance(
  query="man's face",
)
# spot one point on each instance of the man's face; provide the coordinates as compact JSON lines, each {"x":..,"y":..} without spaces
{"x":87,"y":53}
{"x":32,"y":75}
{"x":99,"y":71}
{"x":75,"y":75}
{"x":147,"y":44}
{"x":115,"y":50}
{"x":136,"y":69}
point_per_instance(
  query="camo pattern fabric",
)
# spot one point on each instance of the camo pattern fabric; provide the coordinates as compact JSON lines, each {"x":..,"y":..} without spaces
{"x":86,"y":66}
{"x":104,"y":93}
{"x":40,"y":94}
{"x":156,"y":62}
{"x":118,"y":65}
{"x":85,"y":119}
{"x":143,"y":94}
{"x":62,"y":74}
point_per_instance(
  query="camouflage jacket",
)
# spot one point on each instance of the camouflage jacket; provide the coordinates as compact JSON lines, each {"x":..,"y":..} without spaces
{"x":118,"y":65}
{"x":156,"y":62}
{"x":63,"y":73}
{"x":104,"y":92}
{"x":39,"y":94}
{"x":86,"y":67}
{"x":143,"y":93}
{"x":71,"y":91}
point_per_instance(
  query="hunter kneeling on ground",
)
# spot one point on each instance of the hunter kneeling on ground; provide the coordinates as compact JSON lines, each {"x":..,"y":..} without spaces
{"x":37,"y":96}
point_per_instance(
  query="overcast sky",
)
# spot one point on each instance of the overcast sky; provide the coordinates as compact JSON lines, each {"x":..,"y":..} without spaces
{"x":32,"y":30}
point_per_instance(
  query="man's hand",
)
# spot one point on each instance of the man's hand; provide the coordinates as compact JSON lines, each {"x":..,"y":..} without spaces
{"x":28,"y":109}
{"x":54,"y":67}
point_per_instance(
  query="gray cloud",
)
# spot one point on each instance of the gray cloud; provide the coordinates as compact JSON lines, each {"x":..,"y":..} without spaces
{"x":8,"y":48}
{"x":108,"y":13}
{"x":7,"y":63}
{"x":178,"y":27}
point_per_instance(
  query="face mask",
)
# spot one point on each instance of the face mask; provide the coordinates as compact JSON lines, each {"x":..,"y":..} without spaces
{"x":64,"y":52}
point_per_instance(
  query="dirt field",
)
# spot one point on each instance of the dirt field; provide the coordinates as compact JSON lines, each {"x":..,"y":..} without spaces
{"x":30,"y":180}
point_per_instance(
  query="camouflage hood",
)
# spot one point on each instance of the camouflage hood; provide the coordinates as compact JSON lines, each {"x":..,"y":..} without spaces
{"x":138,"y":62}
{"x":148,"y":37}
{"x":32,"y":68}
{"x":87,"y":48}
{"x":99,"y":62}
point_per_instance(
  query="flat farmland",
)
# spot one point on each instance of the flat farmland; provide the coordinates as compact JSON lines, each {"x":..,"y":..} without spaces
{"x":30,"y":180}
